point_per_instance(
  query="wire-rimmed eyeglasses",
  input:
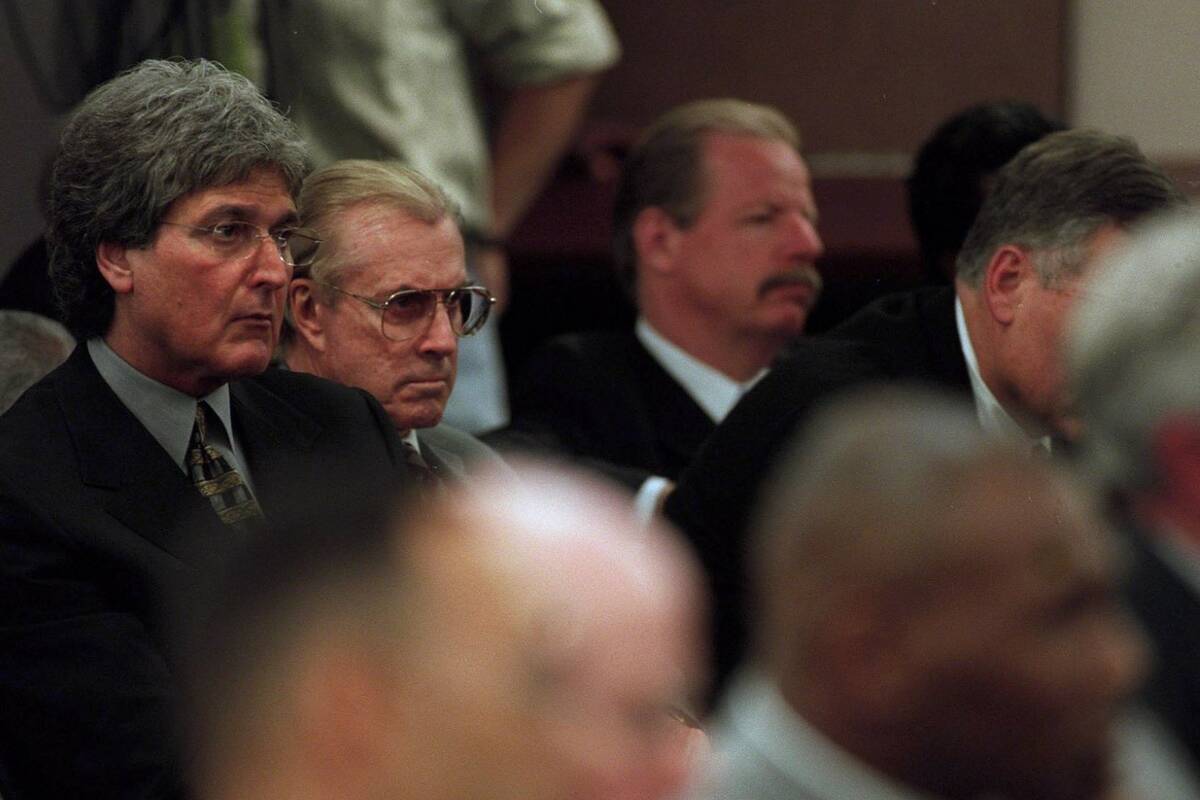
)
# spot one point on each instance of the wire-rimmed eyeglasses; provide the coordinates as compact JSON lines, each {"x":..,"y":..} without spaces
{"x":238,"y":239}
{"x":407,"y":313}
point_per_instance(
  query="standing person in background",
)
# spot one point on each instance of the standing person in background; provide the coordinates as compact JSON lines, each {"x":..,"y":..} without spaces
{"x":397,"y":80}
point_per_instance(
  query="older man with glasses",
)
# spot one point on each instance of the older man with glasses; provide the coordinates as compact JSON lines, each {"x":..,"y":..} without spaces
{"x":173,"y":235}
{"x":384,"y":302}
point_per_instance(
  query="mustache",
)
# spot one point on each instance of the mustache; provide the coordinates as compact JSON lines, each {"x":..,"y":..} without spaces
{"x":805,"y":275}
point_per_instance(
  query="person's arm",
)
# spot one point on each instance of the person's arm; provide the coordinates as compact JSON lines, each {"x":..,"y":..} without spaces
{"x":534,"y":129}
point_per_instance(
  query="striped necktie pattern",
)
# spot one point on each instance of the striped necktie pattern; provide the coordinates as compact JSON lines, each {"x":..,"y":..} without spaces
{"x":218,"y":480}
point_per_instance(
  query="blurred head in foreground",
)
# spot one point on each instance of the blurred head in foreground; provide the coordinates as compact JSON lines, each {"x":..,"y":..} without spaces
{"x":1134,"y":358}
{"x":30,"y":346}
{"x":528,"y":640}
{"x":936,"y":606}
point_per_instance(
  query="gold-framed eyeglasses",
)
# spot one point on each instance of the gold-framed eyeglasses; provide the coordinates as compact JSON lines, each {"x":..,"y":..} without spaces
{"x":407,"y":313}
{"x":238,"y":239}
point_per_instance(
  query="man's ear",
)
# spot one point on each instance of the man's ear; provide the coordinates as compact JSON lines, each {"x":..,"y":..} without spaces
{"x":305,"y":310}
{"x":112,"y":260}
{"x":656,"y":238}
{"x":1007,"y":280}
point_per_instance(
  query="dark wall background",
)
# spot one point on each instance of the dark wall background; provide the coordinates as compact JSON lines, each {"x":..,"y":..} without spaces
{"x":865,"y":80}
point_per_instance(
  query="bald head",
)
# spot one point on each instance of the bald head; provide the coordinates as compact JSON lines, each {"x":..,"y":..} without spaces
{"x":941,"y":605}
{"x":594,"y":617}
{"x":1134,"y":346}
{"x":525,"y":639}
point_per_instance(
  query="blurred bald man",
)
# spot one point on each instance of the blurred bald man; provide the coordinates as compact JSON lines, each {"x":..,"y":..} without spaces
{"x":1134,"y":359}
{"x":528,"y":640}
{"x":937,"y":620}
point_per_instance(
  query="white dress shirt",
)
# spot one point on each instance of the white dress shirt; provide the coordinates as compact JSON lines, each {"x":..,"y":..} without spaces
{"x":757,"y":712}
{"x":715,"y":392}
{"x":993,"y":418}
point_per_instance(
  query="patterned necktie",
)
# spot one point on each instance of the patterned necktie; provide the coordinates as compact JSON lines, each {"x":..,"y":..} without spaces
{"x":419,"y":467}
{"x":218,"y":481}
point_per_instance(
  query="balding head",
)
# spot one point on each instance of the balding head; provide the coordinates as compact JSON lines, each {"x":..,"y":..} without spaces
{"x":524,"y":639}
{"x":1134,"y":347}
{"x":941,"y":605}
{"x":593,"y":616}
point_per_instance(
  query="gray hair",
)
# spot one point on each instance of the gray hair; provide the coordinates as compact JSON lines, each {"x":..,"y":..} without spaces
{"x":334,"y":190}
{"x":331,"y":191}
{"x":139,"y":142}
{"x":869,"y":496}
{"x":30,"y":346}
{"x":1056,"y":193}
{"x":666,"y":169}
{"x":1133,"y":347}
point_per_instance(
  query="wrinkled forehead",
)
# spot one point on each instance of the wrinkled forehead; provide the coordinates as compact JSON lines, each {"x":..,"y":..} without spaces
{"x":389,"y":246}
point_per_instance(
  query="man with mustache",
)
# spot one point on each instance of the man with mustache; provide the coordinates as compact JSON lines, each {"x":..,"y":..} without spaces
{"x":173,"y":234}
{"x":715,"y":238}
{"x":384,"y":301}
{"x":994,"y":337}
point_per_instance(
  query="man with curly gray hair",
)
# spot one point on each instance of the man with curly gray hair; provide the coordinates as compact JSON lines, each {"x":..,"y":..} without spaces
{"x":173,"y":235}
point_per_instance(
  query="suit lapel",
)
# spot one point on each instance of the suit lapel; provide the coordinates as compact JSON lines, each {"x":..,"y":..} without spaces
{"x":677,"y":422}
{"x":277,"y":439}
{"x":138,"y":483}
{"x":944,"y":342}
{"x":445,"y":464}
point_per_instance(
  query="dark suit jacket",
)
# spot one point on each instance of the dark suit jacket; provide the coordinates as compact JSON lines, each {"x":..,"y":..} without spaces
{"x":910,"y":337}
{"x":89,"y":549}
{"x":599,"y":396}
{"x":455,"y":454}
{"x":1169,"y":611}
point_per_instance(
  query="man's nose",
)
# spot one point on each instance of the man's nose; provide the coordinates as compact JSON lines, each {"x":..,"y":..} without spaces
{"x":269,"y":267}
{"x":440,"y":338}
{"x":803,"y":239}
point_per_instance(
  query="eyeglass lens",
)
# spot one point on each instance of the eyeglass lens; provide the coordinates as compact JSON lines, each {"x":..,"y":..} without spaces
{"x":238,"y":239}
{"x":300,"y":249}
{"x":406,"y":314}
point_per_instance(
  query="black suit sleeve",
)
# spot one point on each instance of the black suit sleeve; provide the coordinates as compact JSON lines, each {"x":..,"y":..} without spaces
{"x":717,"y":495}
{"x":85,"y":691}
{"x":565,"y":404}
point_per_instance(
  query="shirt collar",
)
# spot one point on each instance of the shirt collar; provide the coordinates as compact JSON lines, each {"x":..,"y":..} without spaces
{"x":713,"y":390}
{"x":992,"y":416}
{"x":167,"y":413}
{"x":795,"y":748}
